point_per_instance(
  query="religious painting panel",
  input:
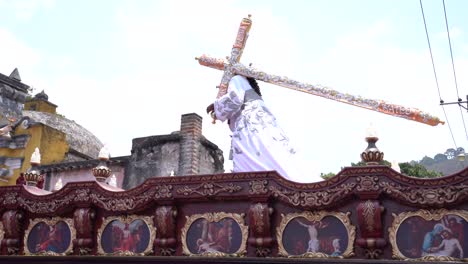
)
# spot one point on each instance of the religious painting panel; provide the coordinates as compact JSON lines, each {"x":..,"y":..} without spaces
{"x":49,"y":236}
{"x":215,"y":234}
{"x":316,"y":235}
{"x":437,"y":235}
{"x":126,"y":235}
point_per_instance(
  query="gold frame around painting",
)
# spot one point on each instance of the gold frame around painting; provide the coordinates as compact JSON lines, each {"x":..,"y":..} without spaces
{"x":433,"y":215}
{"x":2,"y":231}
{"x":316,"y":216}
{"x":127,"y":220}
{"x":216,"y":217}
{"x":50,"y":222}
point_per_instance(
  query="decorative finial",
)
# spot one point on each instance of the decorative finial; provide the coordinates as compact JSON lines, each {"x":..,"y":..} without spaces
{"x":58,"y":185}
{"x":102,"y":172}
{"x":33,"y":176}
{"x":396,"y":166}
{"x":104,"y":153}
{"x":372,"y":155}
{"x":36,"y":157}
{"x":172,"y":173}
{"x":113,"y":181}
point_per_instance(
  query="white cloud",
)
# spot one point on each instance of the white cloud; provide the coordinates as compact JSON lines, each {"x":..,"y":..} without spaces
{"x":25,"y":9}
{"x":16,"y":54}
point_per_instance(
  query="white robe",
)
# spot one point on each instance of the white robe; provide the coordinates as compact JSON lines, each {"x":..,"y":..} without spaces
{"x":258,"y":143}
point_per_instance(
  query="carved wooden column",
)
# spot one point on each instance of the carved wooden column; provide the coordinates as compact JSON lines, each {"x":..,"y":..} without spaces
{"x":14,"y":231}
{"x":369,"y":215}
{"x":83,"y":219}
{"x":260,"y":229}
{"x":164,"y":220}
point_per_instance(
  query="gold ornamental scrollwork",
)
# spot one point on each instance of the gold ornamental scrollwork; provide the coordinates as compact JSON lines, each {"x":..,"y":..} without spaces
{"x":315,"y":217}
{"x":148,"y":220}
{"x":216,"y":217}
{"x":209,"y":189}
{"x":430,"y":196}
{"x":50,"y":222}
{"x":367,"y":183}
{"x":258,"y":187}
{"x":2,"y":231}
{"x":368,"y":213}
{"x":313,"y":198}
{"x":432,"y":215}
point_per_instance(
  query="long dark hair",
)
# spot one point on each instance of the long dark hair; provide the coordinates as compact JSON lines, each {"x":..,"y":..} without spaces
{"x":254,"y":85}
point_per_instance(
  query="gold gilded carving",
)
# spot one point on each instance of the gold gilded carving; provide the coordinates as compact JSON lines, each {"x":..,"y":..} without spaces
{"x":127,"y":220}
{"x":258,"y":216}
{"x":314,"y":198}
{"x":122,"y":204}
{"x":258,"y":187}
{"x":213,"y":218}
{"x":367,"y":183}
{"x":2,"y":231}
{"x":414,"y":195}
{"x":209,"y":189}
{"x":163,"y":191}
{"x":368,"y":214}
{"x":10,"y":198}
{"x":316,"y":217}
{"x":433,"y":215}
{"x":50,"y":223}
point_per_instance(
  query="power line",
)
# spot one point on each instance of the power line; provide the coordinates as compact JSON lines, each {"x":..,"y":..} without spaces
{"x":450,"y":128}
{"x":430,"y":51}
{"x":453,"y":67}
{"x":451,"y":54}
{"x":435,"y":73}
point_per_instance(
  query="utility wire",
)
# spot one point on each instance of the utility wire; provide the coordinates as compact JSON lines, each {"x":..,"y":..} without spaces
{"x":435,"y":74}
{"x":451,"y":54}
{"x":430,"y":51}
{"x":453,"y":66}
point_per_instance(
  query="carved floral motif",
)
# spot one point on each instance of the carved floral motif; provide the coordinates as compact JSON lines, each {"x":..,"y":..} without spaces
{"x":163,"y":191}
{"x":367,"y":183}
{"x":425,"y":196}
{"x":258,"y":187}
{"x":258,"y":216}
{"x":122,"y":204}
{"x":368,"y":213}
{"x":313,"y":198}
{"x":209,"y":189}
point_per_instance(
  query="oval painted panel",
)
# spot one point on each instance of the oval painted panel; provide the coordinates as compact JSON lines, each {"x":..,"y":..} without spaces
{"x":124,"y":237}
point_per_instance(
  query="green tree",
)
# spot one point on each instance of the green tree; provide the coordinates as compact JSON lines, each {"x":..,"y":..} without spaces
{"x":327,"y":176}
{"x":362,"y":163}
{"x":427,"y":161}
{"x":413,"y":169}
{"x":418,"y":170}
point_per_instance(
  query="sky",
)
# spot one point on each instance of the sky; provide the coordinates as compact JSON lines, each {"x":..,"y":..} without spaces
{"x":126,"y":69}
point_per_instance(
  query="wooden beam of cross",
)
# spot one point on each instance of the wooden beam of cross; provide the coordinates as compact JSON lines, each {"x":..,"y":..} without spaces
{"x":231,"y":66}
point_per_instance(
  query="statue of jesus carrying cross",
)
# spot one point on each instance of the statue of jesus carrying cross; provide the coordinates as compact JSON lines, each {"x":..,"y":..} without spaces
{"x":258,"y":143}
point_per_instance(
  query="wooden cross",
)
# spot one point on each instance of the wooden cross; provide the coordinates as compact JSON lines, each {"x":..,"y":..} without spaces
{"x":231,"y":66}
